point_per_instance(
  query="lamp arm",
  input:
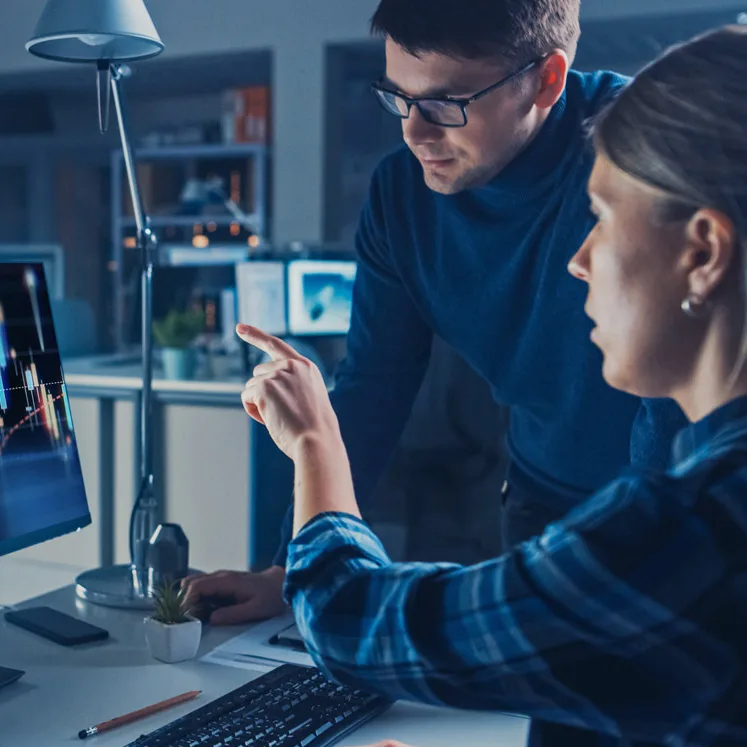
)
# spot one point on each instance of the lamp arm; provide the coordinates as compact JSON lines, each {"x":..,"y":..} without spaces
{"x":141,"y":221}
{"x":144,"y":514}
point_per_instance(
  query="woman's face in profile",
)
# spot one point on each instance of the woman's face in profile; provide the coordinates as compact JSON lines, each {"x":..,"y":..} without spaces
{"x":632,"y":264}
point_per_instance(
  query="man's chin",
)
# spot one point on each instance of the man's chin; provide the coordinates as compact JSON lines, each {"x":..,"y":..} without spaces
{"x":444,"y":182}
{"x":450,"y":181}
{"x":440,"y":185}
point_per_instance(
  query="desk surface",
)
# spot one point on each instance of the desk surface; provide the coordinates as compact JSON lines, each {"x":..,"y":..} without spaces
{"x":119,"y":372}
{"x":67,"y":690}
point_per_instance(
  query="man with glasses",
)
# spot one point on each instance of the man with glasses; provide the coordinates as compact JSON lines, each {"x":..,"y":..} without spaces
{"x":466,"y":234}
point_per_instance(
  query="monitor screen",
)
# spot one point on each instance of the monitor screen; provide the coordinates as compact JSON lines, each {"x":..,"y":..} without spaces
{"x":260,"y":292}
{"x":41,"y":484}
{"x":320,"y":296}
{"x":50,"y":255}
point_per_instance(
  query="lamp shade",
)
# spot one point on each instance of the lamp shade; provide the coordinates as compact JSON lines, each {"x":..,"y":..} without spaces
{"x":93,"y":30}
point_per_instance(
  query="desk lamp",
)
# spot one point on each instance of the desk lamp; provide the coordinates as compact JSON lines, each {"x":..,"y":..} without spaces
{"x":106,"y":34}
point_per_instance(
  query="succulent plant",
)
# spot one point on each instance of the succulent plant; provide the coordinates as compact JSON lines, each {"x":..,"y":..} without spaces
{"x":171,"y":606}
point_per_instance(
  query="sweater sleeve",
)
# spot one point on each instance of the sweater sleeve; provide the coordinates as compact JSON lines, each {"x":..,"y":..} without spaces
{"x":388,"y":349}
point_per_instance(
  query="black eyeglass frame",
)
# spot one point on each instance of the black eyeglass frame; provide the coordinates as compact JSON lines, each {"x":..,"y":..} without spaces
{"x":461,"y":102}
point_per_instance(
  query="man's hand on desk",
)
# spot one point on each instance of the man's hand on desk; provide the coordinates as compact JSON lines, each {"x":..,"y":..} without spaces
{"x":259,"y":596}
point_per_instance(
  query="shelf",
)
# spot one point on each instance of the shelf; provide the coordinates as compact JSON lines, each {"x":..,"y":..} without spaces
{"x":174,"y":255}
{"x":186,"y":221}
{"x":209,"y":150}
{"x":175,"y":231}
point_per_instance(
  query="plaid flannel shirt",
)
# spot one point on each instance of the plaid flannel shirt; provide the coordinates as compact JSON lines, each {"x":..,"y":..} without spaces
{"x":627,"y":618}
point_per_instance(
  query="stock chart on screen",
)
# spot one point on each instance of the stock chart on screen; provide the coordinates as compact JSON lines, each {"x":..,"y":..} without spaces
{"x":41,"y":484}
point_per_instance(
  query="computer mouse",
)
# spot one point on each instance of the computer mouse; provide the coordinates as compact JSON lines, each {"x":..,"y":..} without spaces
{"x":208,"y":604}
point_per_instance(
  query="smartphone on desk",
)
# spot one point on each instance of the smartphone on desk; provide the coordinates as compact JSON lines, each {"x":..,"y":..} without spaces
{"x":56,"y":626}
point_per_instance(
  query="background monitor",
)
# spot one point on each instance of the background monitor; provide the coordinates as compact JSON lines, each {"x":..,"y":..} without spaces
{"x":41,"y":484}
{"x":261,"y":295}
{"x":50,"y":255}
{"x":320,"y":296}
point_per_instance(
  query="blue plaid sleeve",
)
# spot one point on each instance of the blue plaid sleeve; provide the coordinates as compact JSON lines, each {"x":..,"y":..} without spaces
{"x":596,"y":624}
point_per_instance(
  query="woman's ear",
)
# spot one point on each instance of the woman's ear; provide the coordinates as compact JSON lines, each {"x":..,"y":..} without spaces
{"x":710,"y":253}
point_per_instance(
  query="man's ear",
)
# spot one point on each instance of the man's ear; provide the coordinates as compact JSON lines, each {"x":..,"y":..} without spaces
{"x":553,"y":75}
{"x":710,"y":252}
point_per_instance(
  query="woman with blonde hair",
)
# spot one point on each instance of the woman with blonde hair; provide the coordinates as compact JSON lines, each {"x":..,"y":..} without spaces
{"x":629,"y":617}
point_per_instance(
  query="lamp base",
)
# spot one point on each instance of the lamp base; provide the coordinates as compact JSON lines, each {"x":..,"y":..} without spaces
{"x":114,"y":586}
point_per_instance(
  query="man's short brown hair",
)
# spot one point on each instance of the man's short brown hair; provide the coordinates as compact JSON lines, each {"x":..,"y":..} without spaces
{"x":516,"y":30}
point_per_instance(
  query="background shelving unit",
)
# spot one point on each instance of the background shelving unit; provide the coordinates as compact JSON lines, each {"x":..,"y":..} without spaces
{"x":163,"y":173}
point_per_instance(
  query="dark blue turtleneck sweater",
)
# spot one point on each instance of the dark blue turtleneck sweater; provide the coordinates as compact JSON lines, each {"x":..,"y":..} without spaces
{"x":486,"y":270}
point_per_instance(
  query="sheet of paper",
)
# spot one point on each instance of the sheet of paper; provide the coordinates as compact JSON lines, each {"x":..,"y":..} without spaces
{"x":252,"y":649}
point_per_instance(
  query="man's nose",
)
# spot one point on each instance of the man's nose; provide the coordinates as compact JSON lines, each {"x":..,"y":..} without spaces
{"x":417,"y":131}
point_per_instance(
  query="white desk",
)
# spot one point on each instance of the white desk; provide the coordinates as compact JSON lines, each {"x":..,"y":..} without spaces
{"x":66,"y":690}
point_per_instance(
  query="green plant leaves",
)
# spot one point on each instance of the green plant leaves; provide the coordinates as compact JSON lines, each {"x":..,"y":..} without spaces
{"x":178,"y":329}
{"x":171,"y":607}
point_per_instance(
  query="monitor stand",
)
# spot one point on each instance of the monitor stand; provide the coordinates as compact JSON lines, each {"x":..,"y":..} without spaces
{"x":9,"y":675}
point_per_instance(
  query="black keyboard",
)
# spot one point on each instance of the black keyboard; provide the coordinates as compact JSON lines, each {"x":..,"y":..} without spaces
{"x":291,"y":706}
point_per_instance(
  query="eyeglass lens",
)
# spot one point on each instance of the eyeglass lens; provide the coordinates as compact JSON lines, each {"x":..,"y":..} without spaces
{"x":432,"y":110}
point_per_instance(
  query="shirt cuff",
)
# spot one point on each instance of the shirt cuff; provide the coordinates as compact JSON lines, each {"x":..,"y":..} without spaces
{"x":329,"y":546}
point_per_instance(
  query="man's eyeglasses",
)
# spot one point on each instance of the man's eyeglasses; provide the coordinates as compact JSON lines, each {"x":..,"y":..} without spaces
{"x":444,"y":111}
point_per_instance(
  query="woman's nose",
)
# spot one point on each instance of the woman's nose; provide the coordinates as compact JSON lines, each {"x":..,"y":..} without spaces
{"x":579,"y":264}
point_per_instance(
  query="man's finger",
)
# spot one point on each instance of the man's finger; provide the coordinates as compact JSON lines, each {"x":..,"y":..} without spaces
{"x":275,"y":348}
{"x":187,"y":580}
{"x":213,"y":584}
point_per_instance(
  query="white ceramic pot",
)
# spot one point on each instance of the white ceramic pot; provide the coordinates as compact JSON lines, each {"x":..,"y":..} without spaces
{"x":172,"y":643}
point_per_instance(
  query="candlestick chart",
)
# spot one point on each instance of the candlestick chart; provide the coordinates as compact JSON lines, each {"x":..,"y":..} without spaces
{"x":40,"y":475}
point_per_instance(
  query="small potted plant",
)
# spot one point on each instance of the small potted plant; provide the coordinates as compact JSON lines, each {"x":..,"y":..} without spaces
{"x":172,"y":633}
{"x":175,"y":334}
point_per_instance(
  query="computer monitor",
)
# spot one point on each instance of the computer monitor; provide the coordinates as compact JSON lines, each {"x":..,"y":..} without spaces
{"x":261,"y":295}
{"x":320,"y":296}
{"x":50,"y":255}
{"x":41,"y":483}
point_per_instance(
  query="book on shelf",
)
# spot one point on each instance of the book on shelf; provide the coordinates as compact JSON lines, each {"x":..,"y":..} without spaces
{"x":246,"y":115}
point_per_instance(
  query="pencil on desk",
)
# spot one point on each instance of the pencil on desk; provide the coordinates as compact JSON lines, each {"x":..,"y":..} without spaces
{"x":128,"y":718}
